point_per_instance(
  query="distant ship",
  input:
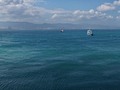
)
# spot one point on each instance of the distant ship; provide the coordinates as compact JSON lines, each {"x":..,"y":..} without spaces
{"x":61,"y":30}
{"x":89,"y":32}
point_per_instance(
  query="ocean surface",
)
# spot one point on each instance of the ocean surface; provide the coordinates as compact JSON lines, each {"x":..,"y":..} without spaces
{"x":51,"y":60}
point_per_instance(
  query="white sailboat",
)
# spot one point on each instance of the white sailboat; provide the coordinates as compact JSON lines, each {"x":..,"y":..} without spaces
{"x":62,"y":30}
{"x":89,"y":32}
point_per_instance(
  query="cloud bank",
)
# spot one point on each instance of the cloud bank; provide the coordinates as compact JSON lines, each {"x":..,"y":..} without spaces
{"x":26,"y":11}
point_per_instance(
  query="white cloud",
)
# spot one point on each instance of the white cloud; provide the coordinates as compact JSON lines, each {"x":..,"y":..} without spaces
{"x":117,"y":3}
{"x":119,"y":11}
{"x":89,"y":14}
{"x":117,"y":17}
{"x":110,"y":17}
{"x":109,"y":6}
{"x":8,"y":2}
{"x":54,"y":16}
{"x":106,"y":7}
{"x":24,"y":10}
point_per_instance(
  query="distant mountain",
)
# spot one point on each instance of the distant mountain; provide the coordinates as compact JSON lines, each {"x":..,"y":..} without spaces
{"x":44,"y":26}
{"x":32,"y":26}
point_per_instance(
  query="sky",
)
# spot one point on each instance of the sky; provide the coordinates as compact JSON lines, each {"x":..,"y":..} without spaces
{"x":99,"y":12}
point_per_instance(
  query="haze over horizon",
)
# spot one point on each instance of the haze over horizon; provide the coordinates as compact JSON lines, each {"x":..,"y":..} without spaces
{"x":96,"y":13}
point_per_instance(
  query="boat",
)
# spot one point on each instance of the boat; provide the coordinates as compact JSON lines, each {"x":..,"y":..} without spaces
{"x":62,"y":30}
{"x":89,"y":32}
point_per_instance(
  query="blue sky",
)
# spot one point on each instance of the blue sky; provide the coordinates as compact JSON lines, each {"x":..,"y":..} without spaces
{"x":97,"y":12}
{"x":73,"y":4}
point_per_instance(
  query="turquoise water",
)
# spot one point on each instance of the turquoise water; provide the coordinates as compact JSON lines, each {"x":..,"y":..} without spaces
{"x":50,"y":60}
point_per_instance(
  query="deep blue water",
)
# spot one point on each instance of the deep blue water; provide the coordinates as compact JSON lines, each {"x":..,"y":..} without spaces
{"x":50,"y":60}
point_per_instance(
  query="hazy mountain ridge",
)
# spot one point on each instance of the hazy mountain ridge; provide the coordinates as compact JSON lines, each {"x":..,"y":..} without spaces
{"x":32,"y":26}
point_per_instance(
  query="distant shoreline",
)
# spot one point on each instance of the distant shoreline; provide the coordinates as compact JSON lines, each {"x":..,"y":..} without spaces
{"x":53,"y":29}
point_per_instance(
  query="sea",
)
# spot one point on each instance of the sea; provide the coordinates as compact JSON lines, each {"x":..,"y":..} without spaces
{"x":51,"y":60}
